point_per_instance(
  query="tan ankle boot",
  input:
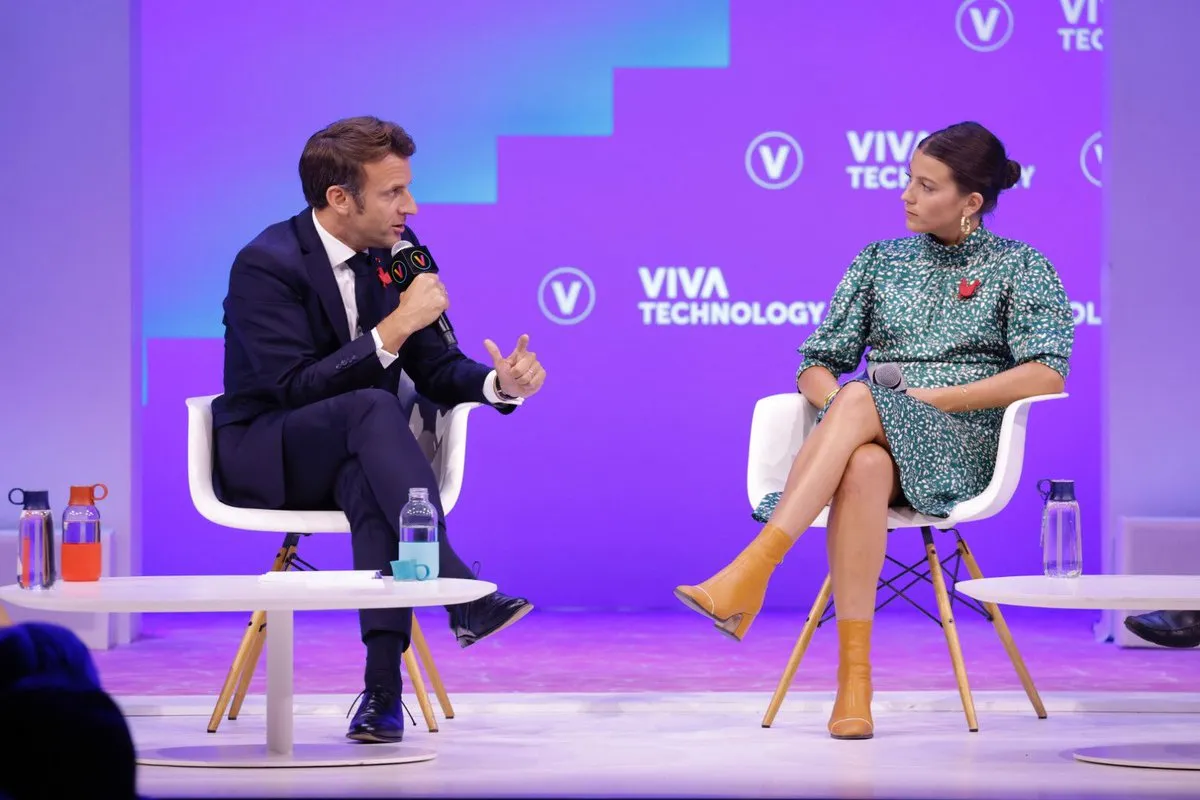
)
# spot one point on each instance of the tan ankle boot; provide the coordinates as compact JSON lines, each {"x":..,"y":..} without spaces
{"x":851,"y":717}
{"x":734,"y":596}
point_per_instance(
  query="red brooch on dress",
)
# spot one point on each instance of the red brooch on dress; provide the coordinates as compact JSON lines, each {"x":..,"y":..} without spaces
{"x":967,"y":290}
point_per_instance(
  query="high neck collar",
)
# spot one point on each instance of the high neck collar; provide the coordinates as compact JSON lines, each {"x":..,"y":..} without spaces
{"x":957,"y":254}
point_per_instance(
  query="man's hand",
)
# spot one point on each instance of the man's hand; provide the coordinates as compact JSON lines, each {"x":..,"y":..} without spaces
{"x":520,"y":374}
{"x":420,"y":304}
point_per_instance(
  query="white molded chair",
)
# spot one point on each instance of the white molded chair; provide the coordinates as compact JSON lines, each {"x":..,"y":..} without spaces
{"x":778,"y":429}
{"x":443,"y":438}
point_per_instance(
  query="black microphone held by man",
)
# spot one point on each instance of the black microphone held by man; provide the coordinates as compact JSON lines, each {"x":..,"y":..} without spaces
{"x":409,"y":261}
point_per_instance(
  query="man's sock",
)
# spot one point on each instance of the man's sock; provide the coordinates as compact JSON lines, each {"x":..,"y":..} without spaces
{"x":384,"y":651}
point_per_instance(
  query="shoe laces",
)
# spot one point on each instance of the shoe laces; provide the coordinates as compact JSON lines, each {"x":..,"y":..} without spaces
{"x":403,"y":705}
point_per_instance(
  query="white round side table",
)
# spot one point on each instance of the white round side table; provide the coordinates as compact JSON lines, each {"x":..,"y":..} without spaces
{"x":1135,"y":592}
{"x":280,"y":594}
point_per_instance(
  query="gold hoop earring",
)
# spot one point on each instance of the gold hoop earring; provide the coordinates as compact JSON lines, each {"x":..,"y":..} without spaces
{"x":965,"y":226}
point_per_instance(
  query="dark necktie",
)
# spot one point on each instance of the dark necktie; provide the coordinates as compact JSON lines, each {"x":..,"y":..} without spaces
{"x":368,"y":292}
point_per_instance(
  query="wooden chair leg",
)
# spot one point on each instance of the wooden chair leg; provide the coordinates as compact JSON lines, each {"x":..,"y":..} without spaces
{"x":789,"y":672}
{"x":1004,"y":633}
{"x":257,"y":620}
{"x":414,"y":675}
{"x":248,"y":668}
{"x":255,"y":632}
{"x":419,"y":644}
{"x":947,"y":615}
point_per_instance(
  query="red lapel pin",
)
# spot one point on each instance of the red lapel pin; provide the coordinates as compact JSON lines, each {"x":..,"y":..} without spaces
{"x":967,"y":290}
{"x":384,"y":277}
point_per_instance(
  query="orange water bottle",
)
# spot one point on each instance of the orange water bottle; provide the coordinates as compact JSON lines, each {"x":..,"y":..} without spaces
{"x":81,"y":534}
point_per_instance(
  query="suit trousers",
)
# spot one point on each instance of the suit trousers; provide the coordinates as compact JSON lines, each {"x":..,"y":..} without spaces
{"x":355,"y":452}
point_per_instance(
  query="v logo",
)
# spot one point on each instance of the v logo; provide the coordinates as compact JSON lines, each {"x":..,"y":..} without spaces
{"x":566,"y":297}
{"x":773,"y":163}
{"x":984,"y":28}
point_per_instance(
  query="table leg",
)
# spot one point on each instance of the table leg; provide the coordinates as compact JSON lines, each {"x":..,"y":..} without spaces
{"x":280,"y":693}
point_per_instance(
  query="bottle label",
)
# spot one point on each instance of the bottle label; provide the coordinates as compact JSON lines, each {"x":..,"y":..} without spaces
{"x":81,"y":562}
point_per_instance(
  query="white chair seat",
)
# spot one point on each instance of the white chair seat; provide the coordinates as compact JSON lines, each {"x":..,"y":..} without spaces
{"x":782,"y":422}
{"x":448,"y":463}
{"x":444,"y":444}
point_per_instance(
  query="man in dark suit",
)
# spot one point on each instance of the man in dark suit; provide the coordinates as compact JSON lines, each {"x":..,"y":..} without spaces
{"x":314,"y":346}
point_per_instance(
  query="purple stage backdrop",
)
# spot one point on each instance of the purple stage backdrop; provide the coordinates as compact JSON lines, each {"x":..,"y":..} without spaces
{"x":663,"y":195}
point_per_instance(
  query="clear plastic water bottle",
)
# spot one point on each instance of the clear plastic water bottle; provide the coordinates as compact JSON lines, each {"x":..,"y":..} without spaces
{"x":35,"y":540}
{"x":1062,"y":539}
{"x":419,"y":531}
{"x":81,"y":556}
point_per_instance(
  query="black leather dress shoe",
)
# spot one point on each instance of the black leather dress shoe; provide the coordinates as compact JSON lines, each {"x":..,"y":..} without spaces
{"x":378,"y":718}
{"x":481,"y":618}
{"x":1167,"y":628}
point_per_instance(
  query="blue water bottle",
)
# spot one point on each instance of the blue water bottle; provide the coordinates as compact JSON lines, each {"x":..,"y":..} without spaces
{"x":1062,"y":539}
{"x":419,"y":535}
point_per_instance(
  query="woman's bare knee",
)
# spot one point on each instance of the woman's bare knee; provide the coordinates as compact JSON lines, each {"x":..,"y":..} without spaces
{"x":854,"y":408}
{"x":853,"y":396}
{"x":869,"y":471}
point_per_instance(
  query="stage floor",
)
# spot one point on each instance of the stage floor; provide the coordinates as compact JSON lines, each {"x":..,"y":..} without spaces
{"x":697,"y":745}
{"x":666,"y":651}
{"x":658,"y":703}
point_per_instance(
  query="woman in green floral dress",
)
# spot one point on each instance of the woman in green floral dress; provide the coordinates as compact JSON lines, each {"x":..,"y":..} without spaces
{"x":975,"y":322}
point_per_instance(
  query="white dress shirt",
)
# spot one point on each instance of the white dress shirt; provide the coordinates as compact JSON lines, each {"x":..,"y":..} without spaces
{"x":339,"y":253}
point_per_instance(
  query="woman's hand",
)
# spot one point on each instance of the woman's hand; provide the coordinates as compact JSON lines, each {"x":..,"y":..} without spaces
{"x":1000,"y":390}
{"x":930,"y":396}
{"x":950,"y":399}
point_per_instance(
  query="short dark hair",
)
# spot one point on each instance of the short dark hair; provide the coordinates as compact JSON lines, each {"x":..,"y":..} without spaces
{"x":44,"y":648}
{"x":334,"y":156}
{"x":47,"y":705}
{"x":976,"y":158}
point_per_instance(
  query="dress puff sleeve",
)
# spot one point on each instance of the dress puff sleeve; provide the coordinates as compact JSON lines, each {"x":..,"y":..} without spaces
{"x":1039,"y":324}
{"x":840,"y":340}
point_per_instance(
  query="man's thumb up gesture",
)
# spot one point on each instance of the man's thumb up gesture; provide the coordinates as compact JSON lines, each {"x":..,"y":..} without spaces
{"x":519,"y":373}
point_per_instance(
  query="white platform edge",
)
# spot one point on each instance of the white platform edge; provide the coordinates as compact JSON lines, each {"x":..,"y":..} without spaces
{"x":249,"y":756}
{"x":752,"y":703}
{"x":1143,"y":756}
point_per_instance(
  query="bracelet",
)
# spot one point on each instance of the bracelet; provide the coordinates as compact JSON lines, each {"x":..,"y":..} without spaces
{"x":830,"y":396}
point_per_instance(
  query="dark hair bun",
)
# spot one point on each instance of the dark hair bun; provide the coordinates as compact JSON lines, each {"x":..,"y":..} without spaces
{"x":1012,"y":174}
{"x":976,"y":158}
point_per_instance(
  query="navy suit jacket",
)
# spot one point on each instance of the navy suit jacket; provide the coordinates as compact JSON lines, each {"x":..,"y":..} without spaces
{"x":287,"y":344}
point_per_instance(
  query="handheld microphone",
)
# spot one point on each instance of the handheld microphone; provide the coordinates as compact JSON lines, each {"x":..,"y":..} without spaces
{"x":889,"y":376}
{"x":409,"y":261}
